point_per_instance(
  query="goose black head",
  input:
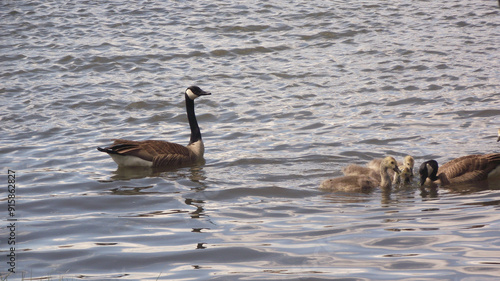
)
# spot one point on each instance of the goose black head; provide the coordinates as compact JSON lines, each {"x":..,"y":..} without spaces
{"x":428,"y":169}
{"x":194,"y":91}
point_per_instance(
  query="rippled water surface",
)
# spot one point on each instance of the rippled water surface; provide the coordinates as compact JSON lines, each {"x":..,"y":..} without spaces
{"x":299,"y":90}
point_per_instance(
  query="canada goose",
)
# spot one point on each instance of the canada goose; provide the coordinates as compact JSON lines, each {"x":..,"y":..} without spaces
{"x":356,"y":170}
{"x":465,"y":169}
{"x":404,"y":177}
{"x":363,"y":183}
{"x":498,"y":139}
{"x":157,"y":153}
{"x":408,"y":161}
{"x":373,"y":170}
{"x":406,"y":168}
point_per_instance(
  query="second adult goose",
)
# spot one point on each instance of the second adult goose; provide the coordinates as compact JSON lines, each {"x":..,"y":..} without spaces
{"x":363,"y":183}
{"x":466,"y":169}
{"x":157,"y":153}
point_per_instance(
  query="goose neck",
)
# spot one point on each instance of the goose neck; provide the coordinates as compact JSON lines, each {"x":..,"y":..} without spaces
{"x":193,"y":123}
{"x":443,"y":179}
{"x":385,"y":178}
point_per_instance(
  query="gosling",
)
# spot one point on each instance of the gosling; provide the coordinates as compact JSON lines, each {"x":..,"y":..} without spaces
{"x":363,"y":183}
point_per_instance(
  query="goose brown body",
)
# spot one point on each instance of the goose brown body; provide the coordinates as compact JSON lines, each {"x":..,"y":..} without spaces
{"x":157,"y":153}
{"x":466,"y":169}
{"x":350,"y":184}
{"x":356,"y":170}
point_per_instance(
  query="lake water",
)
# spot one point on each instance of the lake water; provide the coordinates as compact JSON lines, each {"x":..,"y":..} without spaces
{"x":300,"y":89}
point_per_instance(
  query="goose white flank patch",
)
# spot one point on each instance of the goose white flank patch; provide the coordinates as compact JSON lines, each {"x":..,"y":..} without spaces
{"x":158,"y":153}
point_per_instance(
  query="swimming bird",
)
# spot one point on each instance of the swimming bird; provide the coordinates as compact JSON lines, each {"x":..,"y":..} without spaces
{"x":363,"y":183}
{"x":406,"y":168}
{"x":465,"y":169}
{"x":408,"y":162}
{"x":404,"y":177}
{"x":157,"y":153}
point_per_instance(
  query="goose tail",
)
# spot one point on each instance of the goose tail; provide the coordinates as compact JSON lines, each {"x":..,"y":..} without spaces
{"x":107,"y":150}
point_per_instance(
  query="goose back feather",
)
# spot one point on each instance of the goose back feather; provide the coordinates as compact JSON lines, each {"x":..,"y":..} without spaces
{"x":357,"y":183}
{"x":154,"y":153}
{"x":356,"y":170}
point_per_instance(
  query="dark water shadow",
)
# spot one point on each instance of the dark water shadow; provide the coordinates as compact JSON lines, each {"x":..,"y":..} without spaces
{"x":431,"y":191}
{"x":129,"y":173}
{"x":190,"y":176}
{"x":132,"y":190}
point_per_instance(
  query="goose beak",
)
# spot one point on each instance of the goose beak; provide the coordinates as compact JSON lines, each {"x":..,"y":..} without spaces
{"x":422,"y":180}
{"x":203,"y":93}
{"x":397,"y":170}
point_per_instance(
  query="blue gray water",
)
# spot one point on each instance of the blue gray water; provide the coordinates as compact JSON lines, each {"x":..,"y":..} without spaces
{"x":299,"y":90}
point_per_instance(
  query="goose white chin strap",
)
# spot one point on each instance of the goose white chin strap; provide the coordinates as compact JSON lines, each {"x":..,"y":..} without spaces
{"x":190,"y":94}
{"x":429,"y":169}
